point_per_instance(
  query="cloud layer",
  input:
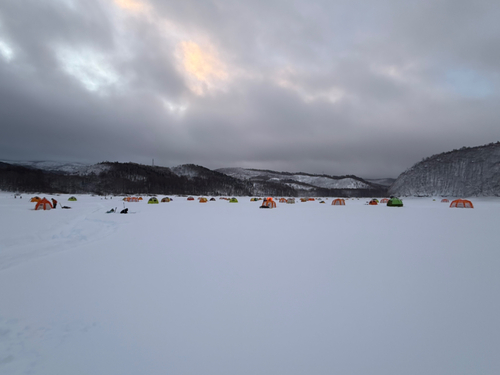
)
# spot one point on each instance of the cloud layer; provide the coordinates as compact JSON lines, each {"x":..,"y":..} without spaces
{"x":343,"y":87}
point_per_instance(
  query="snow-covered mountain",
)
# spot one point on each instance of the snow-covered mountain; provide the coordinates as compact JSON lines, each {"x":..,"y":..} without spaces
{"x":128,"y":178}
{"x":381,"y":181}
{"x":297,"y":180}
{"x":466,"y":172}
{"x":69,"y":168}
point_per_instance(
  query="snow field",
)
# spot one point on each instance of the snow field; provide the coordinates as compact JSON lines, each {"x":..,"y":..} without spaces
{"x":223,"y":288}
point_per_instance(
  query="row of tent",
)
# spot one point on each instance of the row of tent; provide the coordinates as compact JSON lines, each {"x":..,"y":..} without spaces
{"x":44,"y":204}
{"x":270,"y":203}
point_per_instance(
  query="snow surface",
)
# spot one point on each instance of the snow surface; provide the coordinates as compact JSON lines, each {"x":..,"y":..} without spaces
{"x":225,"y":288}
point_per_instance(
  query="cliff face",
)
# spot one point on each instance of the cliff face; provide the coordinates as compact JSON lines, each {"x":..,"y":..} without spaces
{"x":466,"y":172}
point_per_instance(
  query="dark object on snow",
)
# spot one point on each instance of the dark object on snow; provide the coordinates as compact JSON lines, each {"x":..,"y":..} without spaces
{"x":110,"y":211}
{"x":54,"y":203}
{"x":124,"y":211}
{"x":66,"y":207}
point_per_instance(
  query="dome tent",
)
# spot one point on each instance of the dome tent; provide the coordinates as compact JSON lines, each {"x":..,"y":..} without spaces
{"x":153,"y":200}
{"x":338,"y":202}
{"x":43,"y":204}
{"x":72,"y":199}
{"x":395,"y":202}
{"x":461,"y":203}
{"x":233,"y":200}
{"x":166,"y":199}
{"x":268,"y":203}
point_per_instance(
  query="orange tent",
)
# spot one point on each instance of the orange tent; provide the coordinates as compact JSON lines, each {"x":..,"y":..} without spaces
{"x":203,"y":200}
{"x":35,"y":199}
{"x":43,"y":204}
{"x":338,"y":202}
{"x":282,"y":200}
{"x":461,"y":203}
{"x":385,"y":200}
{"x":444,"y":200}
{"x":268,"y":203}
{"x":311,"y":199}
{"x":373,"y":202}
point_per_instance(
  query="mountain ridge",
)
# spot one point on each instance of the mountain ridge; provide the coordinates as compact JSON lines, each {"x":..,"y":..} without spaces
{"x":127,"y":178}
{"x":465,"y":172}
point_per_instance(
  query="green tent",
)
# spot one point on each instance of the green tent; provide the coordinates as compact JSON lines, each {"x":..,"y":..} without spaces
{"x":72,"y":199}
{"x":153,"y":200}
{"x":233,"y":200}
{"x":395,"y":202}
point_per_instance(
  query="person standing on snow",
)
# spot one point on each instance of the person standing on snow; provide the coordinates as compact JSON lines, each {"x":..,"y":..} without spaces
{"x":54,"y":202}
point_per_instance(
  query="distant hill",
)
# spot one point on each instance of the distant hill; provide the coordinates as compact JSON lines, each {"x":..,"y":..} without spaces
{"x":131,"y":178}
{"x":469,"y":171}
{"x":309,"y":184}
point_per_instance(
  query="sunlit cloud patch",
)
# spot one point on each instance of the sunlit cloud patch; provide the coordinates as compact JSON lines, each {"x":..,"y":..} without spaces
{"x":202,"y":67}
{"x":6,"y":51}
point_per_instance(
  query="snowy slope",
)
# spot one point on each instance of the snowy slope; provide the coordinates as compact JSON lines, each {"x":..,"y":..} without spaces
{"x":63,"y":167}
{"x":295,"y":179}
{"x":466,"y":172}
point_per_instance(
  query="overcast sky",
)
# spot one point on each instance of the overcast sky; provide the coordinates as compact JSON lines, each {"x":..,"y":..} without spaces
{"x":339,"y":87}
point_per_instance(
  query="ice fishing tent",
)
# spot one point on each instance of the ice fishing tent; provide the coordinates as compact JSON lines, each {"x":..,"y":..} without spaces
{"x":384,"y":200}
{"x":282,"y":200}
{"x":338,"y":202}
{"x":461,"y":203}
{"x":43,"y":204}
{"x":190,"y":199}
{"x":395,"y":202}
{"x":36,"y":199}
{"x":303,"y":199}
{"x":373,"y":202}
{"x":166,"y":199}
{"x":203,"y":200}
{"x":72,"y":199}
{"x":268,"y":203}
{"x":212,"y":199}
{"x":254,"y":199}
{"x":290,"y":201}
{"x":233,"y":200}
{"x":153,"y":200}
{"x":444,"y":200}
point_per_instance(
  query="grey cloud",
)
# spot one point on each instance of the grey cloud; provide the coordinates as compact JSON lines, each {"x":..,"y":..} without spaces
{"x":336,"y":87}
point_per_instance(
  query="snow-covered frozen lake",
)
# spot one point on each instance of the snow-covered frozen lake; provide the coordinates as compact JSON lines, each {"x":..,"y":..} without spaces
{"x":221,"y":288}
